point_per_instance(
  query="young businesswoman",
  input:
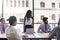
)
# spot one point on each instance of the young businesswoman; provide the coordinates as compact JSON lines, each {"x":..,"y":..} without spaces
{"x":28,"y":20}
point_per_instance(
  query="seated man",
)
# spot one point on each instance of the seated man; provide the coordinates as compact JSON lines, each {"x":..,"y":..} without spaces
{"x":3,"y":26}
{"x":11,"y":32}
{"x":45,"y":27}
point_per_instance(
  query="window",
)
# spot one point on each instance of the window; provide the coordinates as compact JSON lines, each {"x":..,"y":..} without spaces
{"x":59,"y":15}
{"x":21,"y":19}
{"x":19,"y":12}
{"x":26,"y":3}
{"x":14,"y":3}
{"x":53,"y":5}
{"x":59,"y":5}
{"x":53,"y":17}
{"x":6,"y":2}
{"x":18,"y":3}
{"x":42,"y":16}
{"x":42,"y":4}
{"x":23,"y":3}
{"x":10,"y":3}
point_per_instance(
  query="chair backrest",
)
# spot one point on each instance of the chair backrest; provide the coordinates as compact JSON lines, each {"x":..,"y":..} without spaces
{"x":29,"y":30}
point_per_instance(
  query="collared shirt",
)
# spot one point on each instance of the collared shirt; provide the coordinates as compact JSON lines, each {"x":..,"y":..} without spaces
{"x":13,"y":32}
{"x":5,"y":26}
{"x":42,"y":27}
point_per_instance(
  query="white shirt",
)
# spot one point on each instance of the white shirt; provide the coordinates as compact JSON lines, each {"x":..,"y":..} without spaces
{"x":28,"y":22}
{"x":12,"y":31}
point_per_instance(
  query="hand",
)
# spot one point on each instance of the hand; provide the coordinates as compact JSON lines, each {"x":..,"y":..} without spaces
{"x":24,"y":36}
{"x":46,"y":31}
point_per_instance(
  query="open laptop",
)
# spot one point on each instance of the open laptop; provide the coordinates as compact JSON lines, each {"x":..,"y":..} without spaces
{"x":29,"y":30}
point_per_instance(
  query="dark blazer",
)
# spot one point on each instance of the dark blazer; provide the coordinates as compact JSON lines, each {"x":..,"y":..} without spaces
{"x":55,"y":32}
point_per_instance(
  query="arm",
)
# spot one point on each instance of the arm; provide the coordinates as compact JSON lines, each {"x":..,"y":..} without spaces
{"x":33,"y":22}
{"x":39,"y":28}
{"x":24,"y":23}
{"x":52,"y":33}
{"x":0,"y":27}
{"x":18,"y":34}
{"x":49,"y":28}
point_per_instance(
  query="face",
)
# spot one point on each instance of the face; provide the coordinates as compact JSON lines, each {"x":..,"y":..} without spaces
{"x":3,"y":21}
{"x":46,"y":22}
{"x":15,"y":23}
{"x":31,"y":14}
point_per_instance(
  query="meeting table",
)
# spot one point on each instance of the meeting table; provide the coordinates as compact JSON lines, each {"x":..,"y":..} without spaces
{"x":34,"y":36}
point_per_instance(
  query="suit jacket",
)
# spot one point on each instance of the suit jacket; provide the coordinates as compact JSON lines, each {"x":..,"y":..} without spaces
{"x":55,"y":32}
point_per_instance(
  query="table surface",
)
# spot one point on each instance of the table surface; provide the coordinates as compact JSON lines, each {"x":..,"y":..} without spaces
{"x":34,"y":35}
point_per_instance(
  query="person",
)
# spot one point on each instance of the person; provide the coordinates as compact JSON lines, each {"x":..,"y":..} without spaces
{"x":3,"y":25}
{"x":55,"y":32}
{"x":45,"y":27}
{"x":11,"y":31}
{"x":28,"y":20}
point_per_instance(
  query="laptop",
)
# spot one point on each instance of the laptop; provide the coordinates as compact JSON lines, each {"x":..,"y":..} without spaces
{"x":29,"y":30}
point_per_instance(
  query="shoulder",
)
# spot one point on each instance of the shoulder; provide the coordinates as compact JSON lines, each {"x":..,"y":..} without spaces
{"x":6,"y":24}
{"x":10,"y":30}
{"x":48,"y":24}
{"x":56,"y":28}
{"x":41,"y":24}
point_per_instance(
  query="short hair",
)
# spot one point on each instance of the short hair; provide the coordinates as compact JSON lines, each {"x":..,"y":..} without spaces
{"x":12,"y":19}
{"x":44,"y":19}
{"x":1,"y":19}
{"x":59,"y":22}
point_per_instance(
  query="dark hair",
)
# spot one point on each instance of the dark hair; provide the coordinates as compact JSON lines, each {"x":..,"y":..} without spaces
{"x":59,"y":22}
{"x":12,"y":19}
{"x":44,"y":19}
{"x":28,"y":16}
{"x":1,"y":19}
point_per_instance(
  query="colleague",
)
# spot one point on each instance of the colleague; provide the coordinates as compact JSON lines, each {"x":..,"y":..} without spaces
{"x":11,"y":32}
{"x":56,"y":32}
{"x":45,"y":27}
{"x":28,"y":20}
{"x":3,"y":25}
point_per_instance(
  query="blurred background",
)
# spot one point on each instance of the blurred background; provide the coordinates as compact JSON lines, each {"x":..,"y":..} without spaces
{"x":40,"y":9}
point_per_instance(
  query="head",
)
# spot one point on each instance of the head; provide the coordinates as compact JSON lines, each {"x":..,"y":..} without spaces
{"x":12,"y":20}
{"x":45,"y":20}
{"x":59,"y":22}
{"x":29,"y":14}
{"x":2,"y":20}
